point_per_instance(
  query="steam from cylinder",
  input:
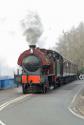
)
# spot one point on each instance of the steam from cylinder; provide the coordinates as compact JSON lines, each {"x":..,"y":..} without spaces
{"x":32,"y":27}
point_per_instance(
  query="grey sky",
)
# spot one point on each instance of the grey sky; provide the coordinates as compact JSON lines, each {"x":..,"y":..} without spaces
{"x":56,"y":16}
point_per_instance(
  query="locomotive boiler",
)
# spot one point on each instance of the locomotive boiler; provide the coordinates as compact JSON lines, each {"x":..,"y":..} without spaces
{"x":42,"y":68}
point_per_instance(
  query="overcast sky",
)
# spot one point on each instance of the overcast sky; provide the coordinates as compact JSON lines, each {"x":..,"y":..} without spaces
{"x":56,"y":16}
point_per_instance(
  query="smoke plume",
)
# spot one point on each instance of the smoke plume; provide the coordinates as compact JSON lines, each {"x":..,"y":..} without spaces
{"x":32,"y":27}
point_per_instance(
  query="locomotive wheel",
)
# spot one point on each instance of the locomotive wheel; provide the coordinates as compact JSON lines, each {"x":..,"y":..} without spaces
{"x":54,"y":84}
{"x":59,"y":84}
{"x":44,"y":89}
{"x":24,"y":89}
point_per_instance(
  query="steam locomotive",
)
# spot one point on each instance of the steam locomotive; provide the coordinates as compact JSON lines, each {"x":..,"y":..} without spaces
{"x":42,"y":69}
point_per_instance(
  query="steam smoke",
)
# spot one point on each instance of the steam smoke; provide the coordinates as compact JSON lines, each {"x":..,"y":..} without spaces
{"x":32,"y":27}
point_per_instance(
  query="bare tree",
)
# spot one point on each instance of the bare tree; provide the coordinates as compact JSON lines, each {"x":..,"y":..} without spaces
{"x":71,"y":45}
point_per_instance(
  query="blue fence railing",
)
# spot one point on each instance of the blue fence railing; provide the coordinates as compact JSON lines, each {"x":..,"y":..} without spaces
{"x":7,"y":83}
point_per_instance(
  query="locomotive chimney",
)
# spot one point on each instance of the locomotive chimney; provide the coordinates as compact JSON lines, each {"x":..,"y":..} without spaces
{"x":32,"y":46}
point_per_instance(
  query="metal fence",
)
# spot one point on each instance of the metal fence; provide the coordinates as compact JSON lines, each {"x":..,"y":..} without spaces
{"x":7,"y":83}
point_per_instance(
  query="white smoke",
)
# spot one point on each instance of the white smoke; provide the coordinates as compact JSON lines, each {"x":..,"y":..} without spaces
{"x":32,"y":27}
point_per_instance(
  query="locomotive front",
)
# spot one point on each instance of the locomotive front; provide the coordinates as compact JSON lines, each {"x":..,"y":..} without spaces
{"x":33,"y":62}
